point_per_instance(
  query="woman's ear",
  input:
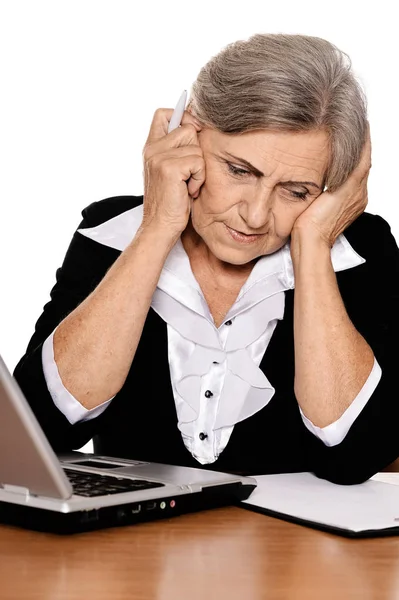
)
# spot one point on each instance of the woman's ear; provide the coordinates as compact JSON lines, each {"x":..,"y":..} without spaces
{"x":190,"y":109}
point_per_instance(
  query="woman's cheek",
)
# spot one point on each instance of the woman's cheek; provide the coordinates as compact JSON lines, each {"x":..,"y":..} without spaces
{"x":209,"y":205}
{"x":198,"y":213}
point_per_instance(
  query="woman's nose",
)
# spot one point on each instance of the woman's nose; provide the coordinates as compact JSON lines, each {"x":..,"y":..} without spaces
{"x":255,"y":211}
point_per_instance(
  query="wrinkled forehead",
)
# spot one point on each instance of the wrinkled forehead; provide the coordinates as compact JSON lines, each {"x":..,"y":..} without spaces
{"x":299,"y":152}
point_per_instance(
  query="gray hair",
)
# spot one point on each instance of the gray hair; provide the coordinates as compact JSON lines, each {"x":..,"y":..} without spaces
{"x":290,"y":83}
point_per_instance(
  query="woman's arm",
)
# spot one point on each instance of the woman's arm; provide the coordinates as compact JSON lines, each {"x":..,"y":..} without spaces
{"x":332,"y":359}
{"x":94,"y":346}
{"x":371,"y":294}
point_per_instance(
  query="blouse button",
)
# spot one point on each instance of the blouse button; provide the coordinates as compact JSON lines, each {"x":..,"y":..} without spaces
{"x":202,"y":436}
{"x":208,"y":394}
{"x":229,"y":322}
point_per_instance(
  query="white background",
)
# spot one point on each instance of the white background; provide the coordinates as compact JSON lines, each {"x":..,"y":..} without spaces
{"x":80,"y":81}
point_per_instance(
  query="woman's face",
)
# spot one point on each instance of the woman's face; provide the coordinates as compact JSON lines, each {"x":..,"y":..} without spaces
{"x":262,"y":201}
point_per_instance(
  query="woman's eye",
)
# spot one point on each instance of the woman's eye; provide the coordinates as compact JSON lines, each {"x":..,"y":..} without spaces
{"x":300,"y":195}
{"x":237,"y":171}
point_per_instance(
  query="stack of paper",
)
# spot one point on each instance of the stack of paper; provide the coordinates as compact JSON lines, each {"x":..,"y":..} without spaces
{"x":371,"y":508}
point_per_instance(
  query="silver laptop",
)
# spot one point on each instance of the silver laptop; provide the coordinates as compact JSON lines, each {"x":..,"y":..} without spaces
{"x":82,"y":492}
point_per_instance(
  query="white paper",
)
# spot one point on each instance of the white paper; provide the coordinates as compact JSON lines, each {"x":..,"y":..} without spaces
{"x":387,"y":478}
{"x":370,"y":505}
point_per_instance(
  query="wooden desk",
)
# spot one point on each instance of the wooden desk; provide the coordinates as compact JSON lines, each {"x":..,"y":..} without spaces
{"x":223,"y":554}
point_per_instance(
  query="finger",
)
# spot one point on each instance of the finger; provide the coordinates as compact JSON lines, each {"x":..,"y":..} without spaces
{"x":160,"y":156}
{"x":363,"y":167}
{"x":160,"y":123}
{"x":183,"y":151}
{"x":197,"y":178}
{"x":186,"y":135}
{"x":192,"y":169}
{"x":360,"y":173}
{"x":366,"y":152}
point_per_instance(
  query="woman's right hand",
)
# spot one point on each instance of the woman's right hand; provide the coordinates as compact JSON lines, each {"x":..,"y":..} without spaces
{"x":170,"y":160}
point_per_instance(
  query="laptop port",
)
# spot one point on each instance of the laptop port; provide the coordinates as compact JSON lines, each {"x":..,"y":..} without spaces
{"x":90,"y":515}
{"x":136,"y":509}
{"x":151,"y":505}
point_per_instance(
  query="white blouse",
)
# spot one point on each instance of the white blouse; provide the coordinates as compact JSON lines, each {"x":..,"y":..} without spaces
{"x":215,"y":374}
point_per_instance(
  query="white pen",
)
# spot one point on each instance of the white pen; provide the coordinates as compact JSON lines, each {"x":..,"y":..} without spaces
{"x":178,"y":112}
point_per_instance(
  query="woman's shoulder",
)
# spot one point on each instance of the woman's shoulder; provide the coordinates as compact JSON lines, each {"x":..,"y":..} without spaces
{"x":370,"y":235}
{"x":103,"y":210}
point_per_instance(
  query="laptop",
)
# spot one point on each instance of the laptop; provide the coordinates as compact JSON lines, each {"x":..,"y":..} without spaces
{"x":78,"y":492}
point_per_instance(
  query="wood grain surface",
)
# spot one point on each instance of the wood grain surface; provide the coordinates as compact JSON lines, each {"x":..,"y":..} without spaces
{"x":227,"y":553}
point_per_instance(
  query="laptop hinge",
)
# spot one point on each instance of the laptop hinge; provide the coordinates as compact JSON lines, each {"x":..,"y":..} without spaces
{"x":16,"y":489}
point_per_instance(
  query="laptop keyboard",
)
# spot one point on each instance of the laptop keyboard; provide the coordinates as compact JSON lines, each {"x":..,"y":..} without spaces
{"x":94,"y":484}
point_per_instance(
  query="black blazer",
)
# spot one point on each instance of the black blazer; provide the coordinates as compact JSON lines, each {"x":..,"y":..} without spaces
{"x":141,"y":421}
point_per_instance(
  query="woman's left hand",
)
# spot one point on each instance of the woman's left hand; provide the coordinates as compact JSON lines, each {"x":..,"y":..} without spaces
{"x":332,"y":212}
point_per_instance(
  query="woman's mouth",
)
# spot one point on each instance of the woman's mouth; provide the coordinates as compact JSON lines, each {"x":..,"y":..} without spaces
{"x":242,"y":238}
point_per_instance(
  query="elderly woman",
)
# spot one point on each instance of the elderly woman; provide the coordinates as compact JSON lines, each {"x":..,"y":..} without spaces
{"x":223,"y":319}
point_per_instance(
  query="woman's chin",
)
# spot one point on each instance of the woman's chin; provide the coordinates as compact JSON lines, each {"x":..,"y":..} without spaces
{"x":233,"y":256}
